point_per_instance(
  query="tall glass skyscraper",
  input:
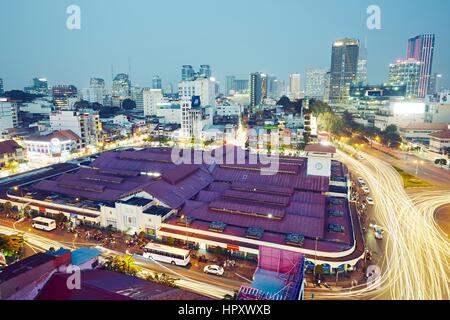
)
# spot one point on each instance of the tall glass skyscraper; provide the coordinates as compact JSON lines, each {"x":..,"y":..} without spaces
{"x":344,"y":67}
{"x":205,"y":71}
{"x":187,"y":73}
{"x":258,"y":88}
{"x":156,"y":82}
{"x":421,"y":48}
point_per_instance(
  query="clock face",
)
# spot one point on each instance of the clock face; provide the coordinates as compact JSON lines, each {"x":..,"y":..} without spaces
{"x":319,"y":166}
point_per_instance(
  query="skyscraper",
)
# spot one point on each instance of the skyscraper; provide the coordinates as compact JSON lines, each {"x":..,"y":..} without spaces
{"x":258,"y":88}
{"x":435,"y":83}
{"x":421,"y":48}
{"x":230,"y":84}
{"x":121,"y":86}
{"x":156,"y":82}
{"x":2,"y":91}
{"x":272,"y":87}
{"x":205,"y":71}
{"x":294,"y":86}
{"x":187,"y":73}
{"x":40,"y":86}
{"x":361,"y":76}
{"x":406,"y":72}
{"x":95,"y":92}
{"x":316,"y":83}
{"x":344,"y":66}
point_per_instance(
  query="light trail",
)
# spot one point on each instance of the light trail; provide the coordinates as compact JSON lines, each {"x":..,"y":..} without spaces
{"x":417,"y":252}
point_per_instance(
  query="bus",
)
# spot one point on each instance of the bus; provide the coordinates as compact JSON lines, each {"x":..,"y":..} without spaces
{"x":42,"y":223}
{"x":162,"y":253}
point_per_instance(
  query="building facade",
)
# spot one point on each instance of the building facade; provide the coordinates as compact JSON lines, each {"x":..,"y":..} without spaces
{"x":344,"y":67}
{"x":315,"y":83}
{"x":407,"y":73}
{"x":421,"y":48}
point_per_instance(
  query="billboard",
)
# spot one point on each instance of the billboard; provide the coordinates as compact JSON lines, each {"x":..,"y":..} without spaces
{"x":406,"y":108}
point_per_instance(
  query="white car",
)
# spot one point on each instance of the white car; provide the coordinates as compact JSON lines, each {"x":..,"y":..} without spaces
{"x":360,"y":180}
{"x":366,"y":189}
{"x":370,"y":201}
{"x":214,"y":269}
{"x":360,"y":158}
{"x":378,"y":231}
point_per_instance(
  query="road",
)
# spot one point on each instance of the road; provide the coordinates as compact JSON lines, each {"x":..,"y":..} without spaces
{"x":416,"y":265}
{"x":207,"y":285}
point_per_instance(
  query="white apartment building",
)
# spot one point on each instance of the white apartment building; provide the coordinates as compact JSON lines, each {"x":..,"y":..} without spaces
{"x":226,"y":111}
{"x":58,"y":144}
{"x":316,"y":82}
{"x":151,"y":98}
{"x":204,"y":88}
{"x":294,"y":86}
{"x":37,"y":107}
{"x":438,"y":110}
{"x":86,"y":125}
{"x":169,"y":112}
{"x":8,"y":114}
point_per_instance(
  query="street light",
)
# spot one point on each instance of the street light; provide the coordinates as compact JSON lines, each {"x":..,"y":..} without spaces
{"x":185,"y":225}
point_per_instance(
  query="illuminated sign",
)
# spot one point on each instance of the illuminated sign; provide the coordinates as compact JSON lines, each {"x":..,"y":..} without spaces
{"x":405,"y":108}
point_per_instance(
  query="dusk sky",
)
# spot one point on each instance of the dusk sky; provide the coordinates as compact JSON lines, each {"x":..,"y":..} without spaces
{"x":235,"y":37}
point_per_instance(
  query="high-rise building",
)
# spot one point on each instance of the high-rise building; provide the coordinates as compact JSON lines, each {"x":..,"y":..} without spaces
{"x":2,"y":91}
{"x":272,"y":87}
{"x":187,"y":73}
{"x":258,"y":88}
{"x":205,"y":88}
{"x":40,"y":87}
{"x":344,"y":66}
{"x":95,"y":92}
{"x":205,"y":71}
{"x":86,"y":125}
{"x":421,"y":48}
{"x":169,"y":88}
{"x":156,"y":82}
{"x":64,"y":95}
{"x":435,"y":83}
{"x":294,"y":86}
{"x":241,"y":85}
{"x":121,"y":87}
{"x":406,"y":72}
{"x":316,"y":83}
{"x":361,"y":76}
{"x":152,"y":98}
{"x":230,"y":84}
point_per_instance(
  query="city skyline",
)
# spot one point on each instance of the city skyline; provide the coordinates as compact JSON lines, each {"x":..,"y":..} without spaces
{"x":124,"y":50}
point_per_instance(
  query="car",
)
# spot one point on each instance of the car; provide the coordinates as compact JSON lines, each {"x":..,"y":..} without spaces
{"x":366,"y":189}
{"x":370,"y":201}
{"x":378,"y":231}
{"x":360,"y":158}
{"x":214,"y":269}
{"x":361,"y":180}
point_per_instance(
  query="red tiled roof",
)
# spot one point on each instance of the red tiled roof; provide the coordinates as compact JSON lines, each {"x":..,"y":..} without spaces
{"x":9,"y":146}
{"x":445,"y":134}
{"x":61,"y":135}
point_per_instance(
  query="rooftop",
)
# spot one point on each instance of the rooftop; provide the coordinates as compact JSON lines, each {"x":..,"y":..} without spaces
{"x":425,"y":126}
{"x":24,"y":265}
{"x":64,"y":135}
{"x":9,"y":146}
{"x":107,"y":285}
{"x":320,"y":148}
{"x":445,"y":134}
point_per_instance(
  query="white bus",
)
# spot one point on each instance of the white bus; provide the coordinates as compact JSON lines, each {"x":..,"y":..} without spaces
{"x":42,"y":223}
{"x":162,"y":253}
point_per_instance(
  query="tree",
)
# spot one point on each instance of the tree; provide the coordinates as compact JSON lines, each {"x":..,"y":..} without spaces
{"x":11,"y":245}
{"x":391,"y":137}
{"x":123,"y":264}
{"x":128,"y":104}
{"x":82,"y":104}
{"x":162,"y":278}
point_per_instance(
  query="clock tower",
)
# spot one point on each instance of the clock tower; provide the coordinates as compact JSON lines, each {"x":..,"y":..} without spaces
{"x":319,"y":159}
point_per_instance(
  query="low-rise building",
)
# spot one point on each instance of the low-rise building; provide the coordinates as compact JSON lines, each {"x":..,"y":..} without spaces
{"x":420,"y":132}
{"x":56,"y":145}
{"x":440,"y":141}
{"x":10,"y":151}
